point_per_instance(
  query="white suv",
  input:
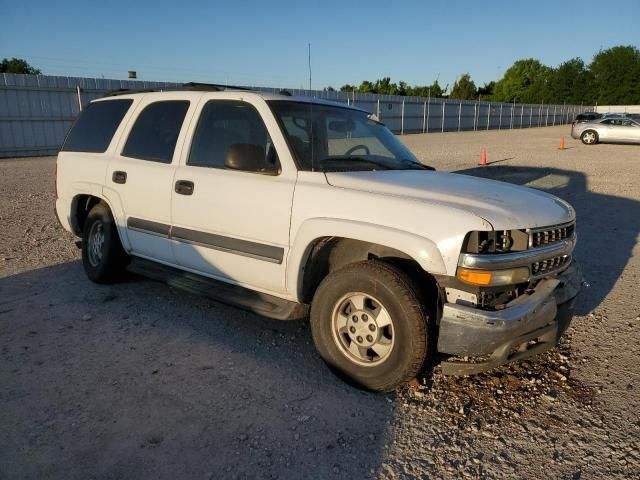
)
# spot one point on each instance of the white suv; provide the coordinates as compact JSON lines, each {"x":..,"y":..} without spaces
{"x":295,"y":207}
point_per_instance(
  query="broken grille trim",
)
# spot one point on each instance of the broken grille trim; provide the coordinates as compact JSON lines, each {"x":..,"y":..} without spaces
{"x":518,"y":259}
{"x":539,"y":237}
{"x":549,"y":266}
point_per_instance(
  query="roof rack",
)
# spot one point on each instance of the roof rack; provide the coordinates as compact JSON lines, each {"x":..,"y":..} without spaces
{"x":189,"y":86}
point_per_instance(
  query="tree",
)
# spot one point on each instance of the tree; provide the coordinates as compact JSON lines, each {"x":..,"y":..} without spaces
{"x":436,"y":89}
{"x":464,"y":88}
{"x":615,"y":76}
{"x":569,"y":82}
{"x":18,"y":65}
{"x":385,"y":87}
{"x":524,"y":82}
{"x":366,"y":87}
{"x":433,"y":90}
{"x":612,"y":77}
{"x":486,"y":90}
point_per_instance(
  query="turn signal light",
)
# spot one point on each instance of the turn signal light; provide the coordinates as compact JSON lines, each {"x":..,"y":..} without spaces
{"x":474,"y":277}
{"x":490,"y":278}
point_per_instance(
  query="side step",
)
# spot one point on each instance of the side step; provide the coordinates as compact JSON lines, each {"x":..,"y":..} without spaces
{"x":256,"y":302}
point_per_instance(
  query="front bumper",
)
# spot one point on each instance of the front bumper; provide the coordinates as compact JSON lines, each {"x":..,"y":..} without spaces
{"x":528,"y":325}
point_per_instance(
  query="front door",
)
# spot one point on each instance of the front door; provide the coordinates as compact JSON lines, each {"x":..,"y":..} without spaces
{"x":229,"y":224}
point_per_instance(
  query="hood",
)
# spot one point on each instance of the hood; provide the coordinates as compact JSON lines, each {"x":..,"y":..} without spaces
{"x":504,"y":205}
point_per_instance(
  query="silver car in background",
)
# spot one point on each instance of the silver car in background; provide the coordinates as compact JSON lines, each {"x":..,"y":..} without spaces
{"x":607,"y":130}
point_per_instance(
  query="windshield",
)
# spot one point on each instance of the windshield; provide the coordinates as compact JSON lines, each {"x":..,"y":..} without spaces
{"x":333,"y":138}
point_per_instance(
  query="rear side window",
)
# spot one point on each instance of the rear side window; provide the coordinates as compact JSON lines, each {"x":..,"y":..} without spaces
{"x":155,"y":133}
{"x":94,"y":128}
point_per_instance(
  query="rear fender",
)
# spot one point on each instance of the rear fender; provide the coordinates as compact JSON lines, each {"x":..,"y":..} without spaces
{"x":112,"y":199}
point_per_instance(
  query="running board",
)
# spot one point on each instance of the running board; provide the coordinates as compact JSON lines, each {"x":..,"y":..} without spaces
{"x":256,"y":302}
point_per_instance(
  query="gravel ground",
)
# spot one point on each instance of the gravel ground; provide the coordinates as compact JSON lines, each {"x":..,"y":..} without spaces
{"x":138,"y":380}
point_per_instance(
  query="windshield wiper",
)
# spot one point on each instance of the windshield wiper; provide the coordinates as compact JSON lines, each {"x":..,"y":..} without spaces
{"x":356,"y":159}
{"x":418,"y":165}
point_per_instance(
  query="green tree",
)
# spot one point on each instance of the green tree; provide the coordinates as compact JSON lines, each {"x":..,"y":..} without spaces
{"x":487,"y":89}
{"x":464,"y":88}
{"x":347,"y":88}
{"x":436,"y":89}
{"x":569,"y":82}
{"x":385,"y":87}
{"x":433,"y":90}
{"x":524,"y":82}
{"x":615,"y":76}
{"x":367,"y":87}
{"x":17,"y":65}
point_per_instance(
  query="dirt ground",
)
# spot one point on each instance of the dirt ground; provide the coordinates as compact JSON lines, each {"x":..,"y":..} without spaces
{"x":138,"y":380}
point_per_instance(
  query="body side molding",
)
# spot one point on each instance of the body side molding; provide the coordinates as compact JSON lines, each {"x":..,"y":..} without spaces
{"x":259,"y":251}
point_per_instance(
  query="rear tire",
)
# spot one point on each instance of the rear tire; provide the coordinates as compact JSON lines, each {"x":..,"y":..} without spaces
{"x":589,"y":137}
{"x":103,"y":257}
{"x":369,"y":326}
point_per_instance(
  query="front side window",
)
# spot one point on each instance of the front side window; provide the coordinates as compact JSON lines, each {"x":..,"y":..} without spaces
{"x":94,"y":128}
{"x":226,"y":126}
{"x":155,"y":133}
{"x":335,"y":138}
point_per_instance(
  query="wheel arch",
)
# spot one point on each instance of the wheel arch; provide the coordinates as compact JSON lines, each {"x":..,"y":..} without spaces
{"x":314,"y":255}
{"x":81,"y":205}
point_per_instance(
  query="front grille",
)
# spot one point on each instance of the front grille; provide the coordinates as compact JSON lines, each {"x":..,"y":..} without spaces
{"x":546,"y":236}
{"x":550,"y":265}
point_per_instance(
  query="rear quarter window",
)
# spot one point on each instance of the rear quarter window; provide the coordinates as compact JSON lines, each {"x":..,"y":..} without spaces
{"x":94,"y":128}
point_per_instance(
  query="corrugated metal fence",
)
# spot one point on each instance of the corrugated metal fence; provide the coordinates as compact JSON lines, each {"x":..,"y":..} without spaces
{"x":36,"y":111}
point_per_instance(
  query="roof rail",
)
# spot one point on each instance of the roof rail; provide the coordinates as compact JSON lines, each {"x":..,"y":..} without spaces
{"x":189,"y":86}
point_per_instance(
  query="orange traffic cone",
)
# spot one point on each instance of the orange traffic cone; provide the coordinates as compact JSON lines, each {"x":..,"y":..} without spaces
{"x":483,"y":157}
{"x":561,"y":147}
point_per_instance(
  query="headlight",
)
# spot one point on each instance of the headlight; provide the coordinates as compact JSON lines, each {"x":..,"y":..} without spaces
{"x":493,"y":278}
{"x":491,"y":241}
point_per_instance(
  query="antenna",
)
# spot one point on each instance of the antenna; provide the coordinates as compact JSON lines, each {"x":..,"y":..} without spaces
{"x":310,"y":108}
{"x":309,"y":45}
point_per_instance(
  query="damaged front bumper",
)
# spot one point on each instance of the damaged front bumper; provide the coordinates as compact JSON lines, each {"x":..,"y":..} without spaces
{"x":530,"y":324}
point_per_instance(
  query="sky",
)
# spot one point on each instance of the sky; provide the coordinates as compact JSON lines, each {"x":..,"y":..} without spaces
{"x":266,"y":43}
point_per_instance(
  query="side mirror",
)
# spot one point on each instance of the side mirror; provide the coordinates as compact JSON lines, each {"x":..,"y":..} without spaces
{"x":248,"y":157}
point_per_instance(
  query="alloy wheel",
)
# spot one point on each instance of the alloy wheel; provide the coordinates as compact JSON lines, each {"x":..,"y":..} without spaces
{"x":363,"y":329}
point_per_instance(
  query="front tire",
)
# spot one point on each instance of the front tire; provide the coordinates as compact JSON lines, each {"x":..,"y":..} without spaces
{"x":103,"y":257}
{"x":369,"y":326}
{"x":589,"y":137}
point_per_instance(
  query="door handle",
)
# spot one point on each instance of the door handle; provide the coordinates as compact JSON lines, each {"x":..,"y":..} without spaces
{"x":119,"y":177}
{"x":184,"y":187}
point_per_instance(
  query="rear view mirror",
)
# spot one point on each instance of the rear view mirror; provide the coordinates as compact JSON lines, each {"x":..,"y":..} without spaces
{"x":342,"y":126}
{"x":248,"y":157}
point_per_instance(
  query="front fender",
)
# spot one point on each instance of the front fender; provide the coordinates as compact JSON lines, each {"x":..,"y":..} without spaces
{"x":421,"y":249}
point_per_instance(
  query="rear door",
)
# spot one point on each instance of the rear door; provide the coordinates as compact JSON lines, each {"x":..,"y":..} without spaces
{"x":233,"y":225}
{"x":141,"y":173}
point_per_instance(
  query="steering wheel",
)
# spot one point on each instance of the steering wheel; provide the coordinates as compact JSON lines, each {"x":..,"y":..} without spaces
{"x":356,"y":147}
